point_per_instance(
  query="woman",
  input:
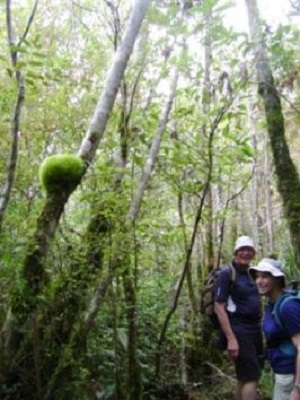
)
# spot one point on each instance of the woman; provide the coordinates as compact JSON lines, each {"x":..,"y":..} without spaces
{"x":281,"y":329}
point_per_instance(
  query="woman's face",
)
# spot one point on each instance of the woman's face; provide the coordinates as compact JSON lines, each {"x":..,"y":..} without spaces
{"x":266,"y":283}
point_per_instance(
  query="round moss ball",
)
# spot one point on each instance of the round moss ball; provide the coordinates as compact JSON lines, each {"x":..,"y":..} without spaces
{"x":61,"y":172}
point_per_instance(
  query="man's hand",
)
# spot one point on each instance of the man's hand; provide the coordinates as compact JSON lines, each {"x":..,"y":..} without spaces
{"x":233,"y":349}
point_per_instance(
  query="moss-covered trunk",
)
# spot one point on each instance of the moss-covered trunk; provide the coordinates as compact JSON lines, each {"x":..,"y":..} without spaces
{"x":134,"y":381}
{"x":20,"y":349}
{"x":288,"y":182}
{"x":24,"y":358}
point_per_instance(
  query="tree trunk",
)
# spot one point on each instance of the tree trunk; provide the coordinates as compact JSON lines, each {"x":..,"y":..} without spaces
{"x":137,"y":201}
{"x":253,"y":117}
{"x":269,"y":200}
{"x":15,"y":124}
{"x":190,"y":248}
{"x":134,"y":383}
{"x":19,"y":325}
{"x":206,"y":103}
{"x":288,"y":182}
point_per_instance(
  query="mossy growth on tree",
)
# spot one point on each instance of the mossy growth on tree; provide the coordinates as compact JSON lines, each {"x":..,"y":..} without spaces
{"x":61,"y":172}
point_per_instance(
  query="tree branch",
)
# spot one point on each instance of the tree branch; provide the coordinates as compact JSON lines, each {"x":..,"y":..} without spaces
{"x":136,"y":203}
{"x":15,"y":125}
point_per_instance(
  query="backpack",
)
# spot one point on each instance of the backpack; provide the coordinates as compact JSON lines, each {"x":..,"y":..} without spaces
{"x":286,"y":346}
{"x":207,"y":292}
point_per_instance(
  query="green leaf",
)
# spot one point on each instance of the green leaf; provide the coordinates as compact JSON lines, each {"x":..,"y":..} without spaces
{"x":20,"y":65}
{"x":247,"y":150}
{"x":33,"y":74}
{"x":183,"y":111}
{"x":208,"y":5}
{"x":10,"y":71}
{"x":226,"y":131}
{"x":38,"y":54}
{"x":139,"y":160}
{"x":25,"y":41}
{"x":242,"y":107}
{"x":18,"y":49}
{"x":30,"y":81}
{"x":36,"y":63}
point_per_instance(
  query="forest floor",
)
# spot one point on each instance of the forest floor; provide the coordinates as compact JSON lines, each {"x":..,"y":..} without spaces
{"x":218,"y":385}
{"x":222,"y":386}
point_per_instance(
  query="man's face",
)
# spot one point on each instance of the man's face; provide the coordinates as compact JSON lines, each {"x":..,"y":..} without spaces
{"x":244,"y":255}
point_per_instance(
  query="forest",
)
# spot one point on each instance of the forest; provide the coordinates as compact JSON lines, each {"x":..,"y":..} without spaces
{"x":139,"y":139}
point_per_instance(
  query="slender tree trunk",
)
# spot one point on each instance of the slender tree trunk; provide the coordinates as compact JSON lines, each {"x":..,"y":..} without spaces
{"x":288,"y":182}
{"x":137,"y":201}
{"x":183,"y":349}
{"x":134,"y":381}
{"x":252,"y":115}
{"x":268,"y":196}
{"x":15,"y":123}
{"x":206,"y":103}
{"x":192,"y":241}
{"x":115,"y":75}
{"x":189,"y":278}
{"x":133,"y":372}
{"x":219,"y":224}
{"x":134,"y":387}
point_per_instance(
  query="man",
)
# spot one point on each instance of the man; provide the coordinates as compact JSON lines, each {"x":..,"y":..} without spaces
{"x":237,"y":305}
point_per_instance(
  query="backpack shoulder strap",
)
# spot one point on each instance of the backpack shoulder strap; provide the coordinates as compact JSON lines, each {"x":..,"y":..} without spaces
{"x":232,"y":272}
{"x":279,"y":304}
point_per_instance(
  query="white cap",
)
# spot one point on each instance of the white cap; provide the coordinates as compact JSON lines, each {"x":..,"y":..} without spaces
{"x":273,"y":267}
{"x":243,"y":241}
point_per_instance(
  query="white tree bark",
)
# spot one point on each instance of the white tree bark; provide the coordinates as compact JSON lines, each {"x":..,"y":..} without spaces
{"x":137,"y":201}
{"x":105,"y":104}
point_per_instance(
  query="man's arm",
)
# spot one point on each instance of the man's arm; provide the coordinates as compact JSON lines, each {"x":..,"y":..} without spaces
{"x":295,"y":395}
{"x":232,"y":343}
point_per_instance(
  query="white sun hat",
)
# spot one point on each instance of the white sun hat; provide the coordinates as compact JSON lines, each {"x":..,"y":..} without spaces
{"x":243,"y":241}
{"x":273,"y":267}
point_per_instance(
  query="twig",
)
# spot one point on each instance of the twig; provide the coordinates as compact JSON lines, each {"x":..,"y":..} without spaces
{"x":219,"y":372}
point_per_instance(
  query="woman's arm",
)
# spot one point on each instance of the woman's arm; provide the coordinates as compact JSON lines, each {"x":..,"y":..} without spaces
{"x":295,"y":395}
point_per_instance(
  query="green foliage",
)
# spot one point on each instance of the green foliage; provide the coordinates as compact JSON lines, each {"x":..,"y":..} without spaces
{"x":266,"y":383}
{"x":61,"y":172}
{"x":283,"y":49}
{"x":64,"y":76}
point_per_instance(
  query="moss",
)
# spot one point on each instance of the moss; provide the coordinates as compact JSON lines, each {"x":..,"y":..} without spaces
{"x":61,"y":172}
